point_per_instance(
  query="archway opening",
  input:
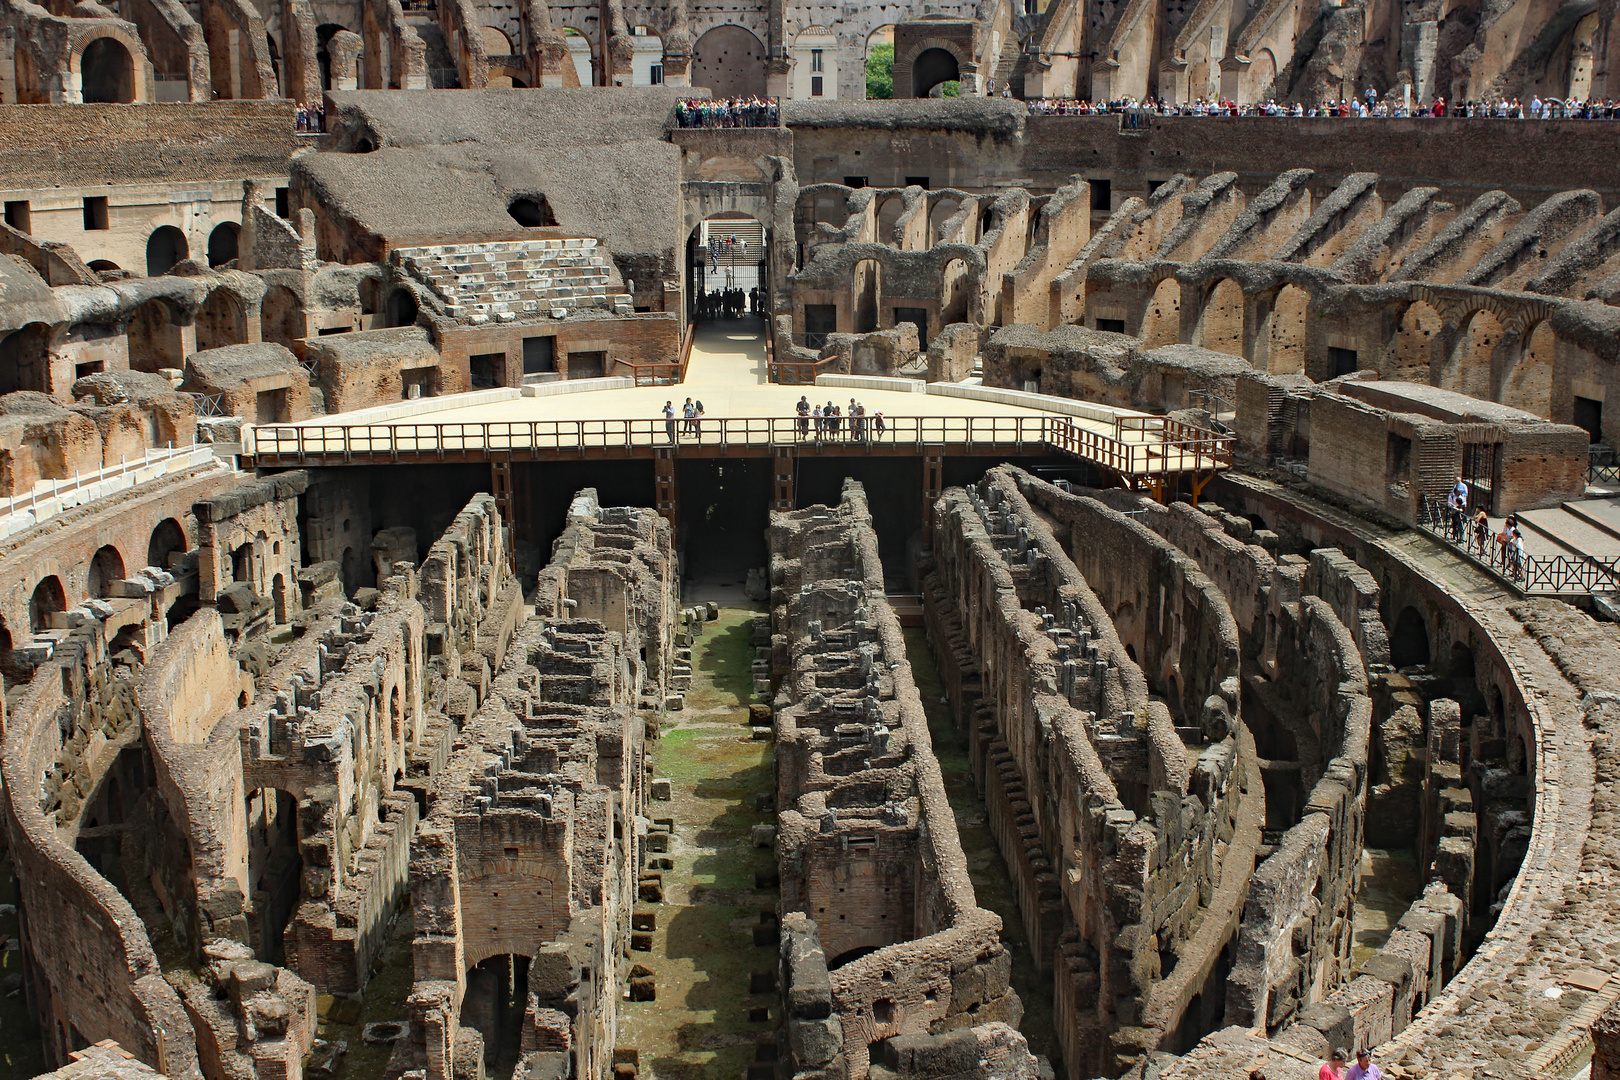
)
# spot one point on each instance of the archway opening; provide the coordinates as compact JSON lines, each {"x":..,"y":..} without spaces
{"x":107,"y":72}
{"x":1409,"y":641}
{"x":939,"y":217}
{"x":580,"y":51}
{"x":1222,"y":323}
{"x":1413,"y":359}
{"x":496,"y":43}
{"x":281,"y":316}
{"x":1161,"y":321}
{"x":1528,"y":384}
{"x":165,"y":247}
{"x":954,"y":289}
{"x":323,"y":38}
{"x":531,"y":211}
{"x":815,"y":64}
{"x":401,"y":308}
{"x":275,"y":866}
{"x":932,"y":68}
{"x":242,"y":564}
{"x":866,"y":290}
{"x":220,"y":321}
{"x":497,"y":995}
{"x":154,"y":339}
{"x":728,"y":272}
{"x":25,"y":360}
{"x":1469,"y":369}
{"x":106,"y":567}
{"x":48,"y":598}
{"x":222,"y":243}
{"x":888,"y":213}
{"x":102,"y":266}
{"x":1285,"y":344}
{"x":167,"y":539}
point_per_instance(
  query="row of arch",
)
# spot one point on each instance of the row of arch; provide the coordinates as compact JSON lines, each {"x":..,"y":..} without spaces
{"x":1480,"y":357}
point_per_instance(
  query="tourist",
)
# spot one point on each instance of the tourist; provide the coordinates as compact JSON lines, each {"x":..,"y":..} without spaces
{"x":1516,"y":555}
{"x":686,"y":411}
{"x":878,"y":426}
{"x":1457,"y":502}
{"x":1364,"y":1069}
{"x":1504,"y":538}
{"x":669,"y":420}
{"x":803,"y":409}
{"x":1482,"y":534}
{"x":821,"y":422}
{"x":697,"y":418}
{"x":1333,"y":1067}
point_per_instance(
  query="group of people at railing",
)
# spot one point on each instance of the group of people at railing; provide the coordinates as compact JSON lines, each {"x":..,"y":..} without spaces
{"x":828,"y":421}
{"x":1369,"y":107}
{"x":743,"y":112}
{"x":1470,"y":529}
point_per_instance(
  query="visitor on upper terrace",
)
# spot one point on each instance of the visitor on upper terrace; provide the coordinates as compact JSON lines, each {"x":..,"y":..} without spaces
{"x":311,"y":118}
{"x":728,"y":112}
{"x":1372,"y":108}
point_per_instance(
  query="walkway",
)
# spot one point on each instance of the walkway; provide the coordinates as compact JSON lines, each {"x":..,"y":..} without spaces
{"x":745,"y":414}
{"x":703,"y":952}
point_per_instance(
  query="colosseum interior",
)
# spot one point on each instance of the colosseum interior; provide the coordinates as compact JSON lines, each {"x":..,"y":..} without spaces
{"x":441,"y":638}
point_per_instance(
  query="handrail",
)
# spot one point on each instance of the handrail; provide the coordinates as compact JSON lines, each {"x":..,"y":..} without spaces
{"x":662,"y":372}
{"x":30,"y":499}
{"x":1562,"y":575}
{"x":1171,"y":450}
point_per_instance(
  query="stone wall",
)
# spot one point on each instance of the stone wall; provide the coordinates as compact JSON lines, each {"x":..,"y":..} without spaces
{"x":882,"y":927}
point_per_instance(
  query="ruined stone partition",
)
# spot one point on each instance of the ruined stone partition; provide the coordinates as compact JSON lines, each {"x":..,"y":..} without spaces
{"x":524,"y":872}
{"x":1109,"y":802}
{"x":887,"y":958}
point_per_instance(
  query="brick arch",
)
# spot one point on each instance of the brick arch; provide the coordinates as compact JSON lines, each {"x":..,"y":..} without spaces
{"x":903,"y":62}
{"x":140,"y":62}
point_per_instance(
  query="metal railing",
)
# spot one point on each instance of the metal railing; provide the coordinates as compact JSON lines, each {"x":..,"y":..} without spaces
{"x":799,"y":372}
{"x":1560,"y":575}
{"x":209,"y":405}
{"x":1601,"y":467}
{"x":721,"y":113}
{"x":1178,"y":447}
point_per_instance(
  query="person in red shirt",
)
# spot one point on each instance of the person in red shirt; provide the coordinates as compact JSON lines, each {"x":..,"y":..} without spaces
{"x":1333,"y":1067}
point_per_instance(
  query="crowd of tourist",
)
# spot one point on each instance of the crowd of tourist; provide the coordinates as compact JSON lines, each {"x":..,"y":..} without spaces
{"x":1370,"y":106}
{"x":728,"y":112}
{"x":312,"y":117}
{"x":1470,"y":529}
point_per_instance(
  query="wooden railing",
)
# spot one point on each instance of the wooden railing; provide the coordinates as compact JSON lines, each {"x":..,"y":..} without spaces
{"x":662,"y":372}
{"x":1143,"y":445}
{"x":1183,"y":448}
{"x":799,"y":372}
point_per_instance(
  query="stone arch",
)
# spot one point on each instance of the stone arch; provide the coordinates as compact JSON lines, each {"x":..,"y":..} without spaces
{"x":106,"y":567}
{"x":1258,"y":79}
{"x":1468,"y":369}
{"x":273,"y":842}
{"x":1285,"y":336}
{"x":107,"y":72}
{"x":221,"y":321}
{"x":1161,"y":320}
{"x":865,"y":295}
{"x":1581,"y":59}
{"x":281,"y":316}
{"x":889,"y":209}
{"x":815,"y":63}
{"x":167,"y":538}
{"x":1527,"y":383}
{"x":25,"y":359}
{"x":154,"y":339}
{"x":955,"y":285}
{"x":646,"y":56}
{"x":496,"y":43}
{"x":323,"y":55}
{"x":1197,"y":72}
{"x":1409,"y":640}
{"x":401,"y":308}
{"x":1221,"y":324}
{"x":166,"y":246}
{"x":1411,"y":358}
{"x":222,"y":243}
{"x":504,"y":78}
{"x":931,"y":67}
{"x":47,"y":599}
{"x":103,"y":265}
{"x":532,"y":211}
{"x":730,"y":61}
{"x":583,"y":55}
{"x":943,"y":210}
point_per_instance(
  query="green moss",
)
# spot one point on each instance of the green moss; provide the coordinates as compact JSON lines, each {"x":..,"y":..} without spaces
{"x":703,"y":950}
